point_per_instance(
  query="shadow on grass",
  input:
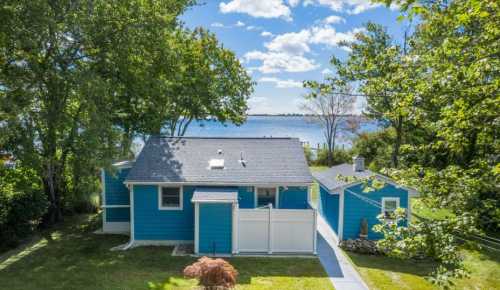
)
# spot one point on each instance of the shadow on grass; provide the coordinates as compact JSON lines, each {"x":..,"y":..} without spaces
{"x":420,"y":268}
{"x":71,"y":256}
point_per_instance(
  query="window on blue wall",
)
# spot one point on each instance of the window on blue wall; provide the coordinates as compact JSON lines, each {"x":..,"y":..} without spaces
{"x":266,"y":196}
{"x":389,"y":205}
{"x":170,"y":197}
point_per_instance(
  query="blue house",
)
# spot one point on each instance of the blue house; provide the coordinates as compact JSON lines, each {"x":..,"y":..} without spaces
{"x":223,"y":195}
{"x":344,"y":204}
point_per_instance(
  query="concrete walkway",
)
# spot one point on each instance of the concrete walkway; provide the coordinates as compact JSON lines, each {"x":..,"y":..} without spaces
{"x":337,"y":266}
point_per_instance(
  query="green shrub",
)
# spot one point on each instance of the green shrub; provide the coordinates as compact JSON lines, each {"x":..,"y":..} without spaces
{"x":375,"y":147}
{"x":339,"y":156}
{"x":22,"y":204}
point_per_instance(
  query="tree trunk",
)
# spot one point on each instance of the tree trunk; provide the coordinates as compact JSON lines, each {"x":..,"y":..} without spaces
{"x":53,"y":192}
{"x":397,"y":142}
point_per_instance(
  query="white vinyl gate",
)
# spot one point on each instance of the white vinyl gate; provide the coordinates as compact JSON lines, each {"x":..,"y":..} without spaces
{"x":277,"y":230}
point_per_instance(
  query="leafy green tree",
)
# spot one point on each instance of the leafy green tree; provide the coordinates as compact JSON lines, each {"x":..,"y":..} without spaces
{"x":80,"y":79}
{"x":22,"y":204}
{"x":385,"y":73}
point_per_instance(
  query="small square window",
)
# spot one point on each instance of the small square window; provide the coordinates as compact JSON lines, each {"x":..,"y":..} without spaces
{"x":170,"y":198}
{"x":389,"y":205}
{"x":266,"y":196}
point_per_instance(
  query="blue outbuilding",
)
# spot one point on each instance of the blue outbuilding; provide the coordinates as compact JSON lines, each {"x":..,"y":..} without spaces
{"x":344,"y":203}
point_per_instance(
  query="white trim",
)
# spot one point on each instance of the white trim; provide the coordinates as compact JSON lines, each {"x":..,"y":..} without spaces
{"x":138,"y":243}
{"x":335,"y":190}
{"x":270,"y":227}
{"x":116,"y":206}
{"x":384,"y":199}
{"x":276,"y":196}
{"x":208,"y":183}
{"x":235,"y":229}
{"x":315,"y":232}
{"x":341,"y":215}
{"x":132,"y":221}
{"x":181,"y":198}
{"x":103,"y":195}
{"x":214,"y":201}
{"x":196,"y":227}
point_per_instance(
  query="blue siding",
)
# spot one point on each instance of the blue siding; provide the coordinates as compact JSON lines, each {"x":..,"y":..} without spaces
{"x":246,"y":197}
{"x":150,"y":223}
{"x":356,"y":209}
{"x":328,"y":207}
{"x":121,"y":214}
{"x":115,"y":191}
{"x":215,"y":228}
{"x":294,"y":197}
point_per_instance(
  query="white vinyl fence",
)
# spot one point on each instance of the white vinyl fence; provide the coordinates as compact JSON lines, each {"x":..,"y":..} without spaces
{"x":277,"y":230}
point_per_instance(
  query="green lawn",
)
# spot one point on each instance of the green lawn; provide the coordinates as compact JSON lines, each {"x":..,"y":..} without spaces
{"x":71,"y":257}
{"x":381,"y":272}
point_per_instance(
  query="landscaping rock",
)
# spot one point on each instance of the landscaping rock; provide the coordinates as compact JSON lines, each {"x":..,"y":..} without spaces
{"x":361,"y":246}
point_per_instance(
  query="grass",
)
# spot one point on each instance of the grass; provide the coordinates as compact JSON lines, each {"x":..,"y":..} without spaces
{"x":381,"y":272}
{"x":72,"y":257}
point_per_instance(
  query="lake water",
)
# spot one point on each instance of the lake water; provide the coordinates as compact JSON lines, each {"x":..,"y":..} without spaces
{"x":274,"y":126}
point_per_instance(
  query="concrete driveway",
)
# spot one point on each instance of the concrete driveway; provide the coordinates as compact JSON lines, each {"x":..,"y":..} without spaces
{"x":336,"y":264}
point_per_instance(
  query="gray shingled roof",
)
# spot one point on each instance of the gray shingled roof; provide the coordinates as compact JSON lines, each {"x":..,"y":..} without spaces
{"x":328,"y":178}
{"x":186,"y":159}
{"x":215,"y":194}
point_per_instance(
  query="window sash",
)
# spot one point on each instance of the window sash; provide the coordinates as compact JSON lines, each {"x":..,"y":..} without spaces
{"x":266,"y":195}
{"x":389,"y":205}
{"x":170,"y":197}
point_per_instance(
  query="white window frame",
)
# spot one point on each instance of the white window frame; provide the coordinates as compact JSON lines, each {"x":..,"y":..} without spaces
{"x":384,"y":199}
{"x":181,"y":197}
{"x":276,"y":196}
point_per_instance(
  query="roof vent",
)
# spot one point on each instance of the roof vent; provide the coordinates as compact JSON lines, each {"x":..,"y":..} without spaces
{"x":219,"y":151}
{"x":358,"y":163}
{"x":242,"y":160}
{"x":216,"y":163}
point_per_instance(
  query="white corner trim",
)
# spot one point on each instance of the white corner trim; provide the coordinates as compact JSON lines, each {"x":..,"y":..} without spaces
{"x":315,"y":233}
{"x":103,"y":196}
{"x":196,"y":227}
{"x":181,"y":198}
{"x":116,"y":206}
{"x":235,"y":208}
{"x":341,"y":215}
{"x":132,"y":221}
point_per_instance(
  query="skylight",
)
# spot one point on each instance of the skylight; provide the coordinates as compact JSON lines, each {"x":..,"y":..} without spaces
{"x":216,"y":163}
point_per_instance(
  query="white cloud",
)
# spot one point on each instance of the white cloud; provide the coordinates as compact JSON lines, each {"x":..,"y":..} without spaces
{"x":252,"y":27}
{"x":293,"y":3}
{"x":282,"y":84}
{"x":327,"y":71}
{"x":274,"y":62}
{"x":291,"y":43}
{"x":217,"y":24}
{"x":348,"y":6}
{"x":327,"y":35}
{"x":266,"y":34}
{"x":240,"y":24}
{"x":258,"y":8}
{"x":287,"y":52}
{"x":334,"y":19}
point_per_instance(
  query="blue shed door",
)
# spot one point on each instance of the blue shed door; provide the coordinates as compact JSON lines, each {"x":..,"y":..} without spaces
{"x":215,"y":228}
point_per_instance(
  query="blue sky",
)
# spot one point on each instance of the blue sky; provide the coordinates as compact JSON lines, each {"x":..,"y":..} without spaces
{"x":283,"y":42}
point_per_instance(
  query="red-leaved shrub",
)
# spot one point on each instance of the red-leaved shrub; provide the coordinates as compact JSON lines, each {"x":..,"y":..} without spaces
{"x":212,"y":273}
